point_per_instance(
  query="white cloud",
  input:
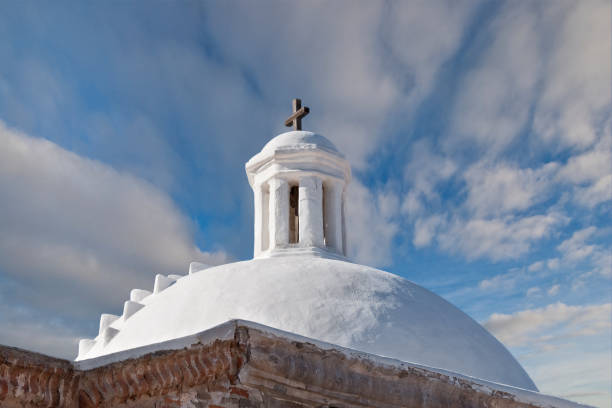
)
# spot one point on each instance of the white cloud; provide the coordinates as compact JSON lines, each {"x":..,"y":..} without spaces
{"x":369,"y":231}
{"x":576,"y":88}
{"x":533,"y":291}
{"x":420,"y":45}
{"x":498,"y":238}
{"x":412,"y":204}
{"x":356,"y":71}
{"x":426,"y":169}
{"x":499,"y":189}
{"x":588,"y":167}
{"x":553,"y":263}
{"x":565,"y":349}
{"x":494,"y":97}
{"x":602,"y":261}
{"x":527,"y":63}
{"x":519,"y":277}
{"x":578,"y":283}
{"x":388,"y":204}
{"x":576,"y":372}
{"x":554,"y":290}
{"x":44,"y":335}
{"x":425,"y":230}
{"x":541,"y":54}
{"x":534,"y":325}
{"x":596,"y":193}
{"x":580,"y":249}
{"x":505,"y":281}
{"x":590,"y":173}
{"x":423,"y":173}
{"x":536,"y":266}
{"x":74,"y":228}
{"x":575,"y":248}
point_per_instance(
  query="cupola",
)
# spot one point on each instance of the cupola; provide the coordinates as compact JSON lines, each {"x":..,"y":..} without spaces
{"x":299,"y":184}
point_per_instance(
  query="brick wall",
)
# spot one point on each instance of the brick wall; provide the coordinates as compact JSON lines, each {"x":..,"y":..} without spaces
{"x":254,"y":369}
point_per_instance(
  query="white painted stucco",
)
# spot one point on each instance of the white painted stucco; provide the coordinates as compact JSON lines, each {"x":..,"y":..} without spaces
{"x":312,"y":164}
{"x":334,"y":301}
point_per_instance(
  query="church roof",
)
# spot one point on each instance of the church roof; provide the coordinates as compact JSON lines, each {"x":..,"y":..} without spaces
{"x":300,"y":283}
{"x":338,"y":302}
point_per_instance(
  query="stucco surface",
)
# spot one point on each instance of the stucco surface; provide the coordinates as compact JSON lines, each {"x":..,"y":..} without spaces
{"x":338,"y":302}
{"x":299,"y":139}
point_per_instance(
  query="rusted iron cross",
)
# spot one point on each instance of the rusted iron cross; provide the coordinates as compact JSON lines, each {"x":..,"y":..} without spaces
{"x":299,"y":112}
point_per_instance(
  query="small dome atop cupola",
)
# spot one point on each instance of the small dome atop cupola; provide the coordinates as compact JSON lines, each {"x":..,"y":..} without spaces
{"x":299,"y":140}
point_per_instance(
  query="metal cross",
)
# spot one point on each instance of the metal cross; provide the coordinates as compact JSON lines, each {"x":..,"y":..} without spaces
{"x":299,"y":112}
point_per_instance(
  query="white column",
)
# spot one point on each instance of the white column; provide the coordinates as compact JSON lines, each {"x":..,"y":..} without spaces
{"x":279,"y":213}
{"x":343,"y":216}
{"x":310,"y":211}
{"x":265,"y":218}
{"x":333,"y":216}
{"x":258,"y":197}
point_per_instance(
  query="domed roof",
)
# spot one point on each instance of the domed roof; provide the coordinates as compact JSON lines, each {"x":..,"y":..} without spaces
{"x":299,"y":139}
{"x":334,"y":301}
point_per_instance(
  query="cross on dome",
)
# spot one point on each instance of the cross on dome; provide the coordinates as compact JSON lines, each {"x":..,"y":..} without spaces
{"x":299,"y":112}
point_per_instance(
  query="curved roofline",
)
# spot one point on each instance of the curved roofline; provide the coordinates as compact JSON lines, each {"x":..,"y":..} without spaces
{"x":170,"y":317}
{"x":301,"y":139}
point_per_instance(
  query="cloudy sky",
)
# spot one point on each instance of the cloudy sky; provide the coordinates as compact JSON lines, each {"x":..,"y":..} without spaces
{"x":479,"y":135}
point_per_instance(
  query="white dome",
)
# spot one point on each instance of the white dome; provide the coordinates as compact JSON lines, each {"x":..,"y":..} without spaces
{"x":299,"y":139}
{"x":338,"y":302}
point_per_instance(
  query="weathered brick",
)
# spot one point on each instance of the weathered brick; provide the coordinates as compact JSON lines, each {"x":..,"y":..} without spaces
{"x":254,"y":369}
{"x":239,"y":391}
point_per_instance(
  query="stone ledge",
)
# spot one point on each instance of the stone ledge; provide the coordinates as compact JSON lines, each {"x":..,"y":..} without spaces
{"x":257,"y":367}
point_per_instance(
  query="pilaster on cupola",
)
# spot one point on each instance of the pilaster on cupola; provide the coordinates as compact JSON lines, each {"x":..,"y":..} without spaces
{"x":299,"y":181}
{"x":311,"y":211}
{"x":278,"y":209}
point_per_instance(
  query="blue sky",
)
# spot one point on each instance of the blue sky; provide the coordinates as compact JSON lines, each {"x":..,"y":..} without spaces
{"x":479,"y":135}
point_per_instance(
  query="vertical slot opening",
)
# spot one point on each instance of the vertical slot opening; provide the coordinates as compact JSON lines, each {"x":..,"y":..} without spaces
{"x":265,"y":218}
{"x":294,"y":221}
{"x":324,"y":210}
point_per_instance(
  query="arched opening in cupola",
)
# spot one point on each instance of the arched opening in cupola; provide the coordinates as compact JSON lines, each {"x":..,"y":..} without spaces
{"x":324,"y":211}
{"x":294,"y":220}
